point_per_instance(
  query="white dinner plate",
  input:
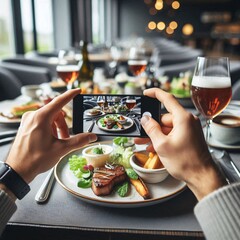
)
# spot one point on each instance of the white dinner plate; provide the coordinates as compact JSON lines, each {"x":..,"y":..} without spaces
{"x":160,"y":192}
{"x":7,"y":121}
{"x":87,"y":112}
{"x":129,"y":124}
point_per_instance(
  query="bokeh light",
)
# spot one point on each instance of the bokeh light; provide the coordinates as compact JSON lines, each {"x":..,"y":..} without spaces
{"x":169,"y":30}
{"x":173,"y":25}
{"x":187,"y":29}
{"x":161,"y":26}
{"x":175,"y":5}
{"x":151,"y":25}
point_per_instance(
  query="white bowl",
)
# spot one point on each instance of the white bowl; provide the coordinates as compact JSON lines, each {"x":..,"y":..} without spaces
{"x":97,"y":160}
{"x":31,"y":91}
{"x":226,"y":129}
{"x":149,"y":175}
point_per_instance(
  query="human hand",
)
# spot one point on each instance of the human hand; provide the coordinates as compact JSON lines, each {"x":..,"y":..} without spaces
{"x":43,"y":138}
{"x":180,"y":144}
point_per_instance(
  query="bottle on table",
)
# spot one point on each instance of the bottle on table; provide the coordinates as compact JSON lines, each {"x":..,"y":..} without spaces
{"x":85,"y":76}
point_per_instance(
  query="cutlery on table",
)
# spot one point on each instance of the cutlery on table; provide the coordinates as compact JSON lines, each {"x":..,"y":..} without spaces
{"x":7,"y":134}
{"x":6,"y":140}
{"x":44,"y":190}
{"x":137,"y":123}
{"x":227,"y":166}
{"x":91,"y":126}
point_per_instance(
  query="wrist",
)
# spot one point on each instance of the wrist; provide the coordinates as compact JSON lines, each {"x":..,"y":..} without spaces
{"x":206,"y":181}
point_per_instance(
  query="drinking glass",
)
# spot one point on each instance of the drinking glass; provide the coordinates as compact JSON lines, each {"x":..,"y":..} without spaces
{"x":211,"y":87}
{"x":137,"y":60}
{"x":67,"y":69}
{"x":68,"y":73}
{"x":131,"y":103}
{"x":100,"y":102}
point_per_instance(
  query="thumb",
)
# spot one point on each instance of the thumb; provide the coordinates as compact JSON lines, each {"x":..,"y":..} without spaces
{"x":79,"y":140}
{"x":152,"y":128}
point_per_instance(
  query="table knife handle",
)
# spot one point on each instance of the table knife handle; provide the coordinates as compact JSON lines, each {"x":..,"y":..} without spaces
{"x":44,"y":190}
{"x":91,"y":127}
{"x":6,"y":140}
{"x":7,"y":134}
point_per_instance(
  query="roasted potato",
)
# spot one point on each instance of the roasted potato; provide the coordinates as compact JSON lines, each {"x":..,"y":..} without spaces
{"x":141,"y":187}
{"x":153,"y":163}
{"x":141,"y":157}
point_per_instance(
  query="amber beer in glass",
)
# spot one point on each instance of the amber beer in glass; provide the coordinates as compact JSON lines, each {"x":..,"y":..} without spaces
{"x":68,"y":73}
{"x":211,"y":101}
{"x":130,"y":103}
{"x":211,"y":87}
{"x":137,"y":66}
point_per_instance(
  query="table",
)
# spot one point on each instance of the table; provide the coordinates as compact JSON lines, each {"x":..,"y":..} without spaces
{"x":64,"y":216}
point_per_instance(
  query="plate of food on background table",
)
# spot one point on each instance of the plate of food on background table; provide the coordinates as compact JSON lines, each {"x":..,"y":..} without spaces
{"x":14,"y":114}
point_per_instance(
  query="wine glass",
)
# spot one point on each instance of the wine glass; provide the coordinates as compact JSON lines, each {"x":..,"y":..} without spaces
{"x":67,"y":69}
{"x":211,"y":87}
{"x":67,"y":57}
{"x":131,"y":103}
{"x":137,"y":60}
{"x":100,"y":102}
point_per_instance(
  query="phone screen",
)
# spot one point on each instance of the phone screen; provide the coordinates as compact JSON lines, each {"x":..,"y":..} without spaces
{"x":113,"y":115}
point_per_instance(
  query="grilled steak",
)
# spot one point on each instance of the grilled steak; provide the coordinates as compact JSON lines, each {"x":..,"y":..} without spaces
{"x":105,"y":178}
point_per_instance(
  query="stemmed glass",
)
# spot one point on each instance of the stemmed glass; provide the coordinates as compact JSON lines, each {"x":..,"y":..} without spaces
{"x":67,"y":69}
{"x":137,"y":60}
{"x":211,"y":87}
{"x":100,"y":102}
{"x":131,"y":103}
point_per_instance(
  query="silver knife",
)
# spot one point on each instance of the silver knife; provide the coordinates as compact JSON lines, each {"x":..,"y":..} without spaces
{"x":91,"y":126}
{"x":6,"y":140}
{"x":229,"y":168}
{"x":137,"y":125}
{"x":7,"y":134}
{"x":44,"y":190}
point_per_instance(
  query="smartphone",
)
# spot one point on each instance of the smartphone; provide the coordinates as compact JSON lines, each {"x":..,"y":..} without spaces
{"x":113,"y":115}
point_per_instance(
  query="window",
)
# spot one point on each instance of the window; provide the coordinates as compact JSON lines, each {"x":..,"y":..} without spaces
{"x":37,"y":23}
{"x":27,"y":24}
{"x":98,"y":30}
{"x":44,"y":25}
{"x":6,"y":29}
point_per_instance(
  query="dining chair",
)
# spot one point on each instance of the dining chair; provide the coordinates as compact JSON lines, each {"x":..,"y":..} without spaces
{"x":179,"y":56}
{"x":10,"y":85}
{"x":28,"y":75}
{"x":174,"y":70}
{"x":36,"y":61}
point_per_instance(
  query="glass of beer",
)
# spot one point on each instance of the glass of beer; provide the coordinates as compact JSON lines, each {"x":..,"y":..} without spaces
{"x":211,"y":87}
{"x":137,"y":62}
{"x":68,"y":73}
{"x":131,"y":103}
{"x":100,"y":102}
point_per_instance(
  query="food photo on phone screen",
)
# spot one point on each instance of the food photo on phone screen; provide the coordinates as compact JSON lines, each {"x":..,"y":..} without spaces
{"x":113,"y":115}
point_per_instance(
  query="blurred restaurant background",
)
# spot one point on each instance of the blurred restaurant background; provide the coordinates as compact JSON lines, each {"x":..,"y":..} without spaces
{"x":172,"y":33}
